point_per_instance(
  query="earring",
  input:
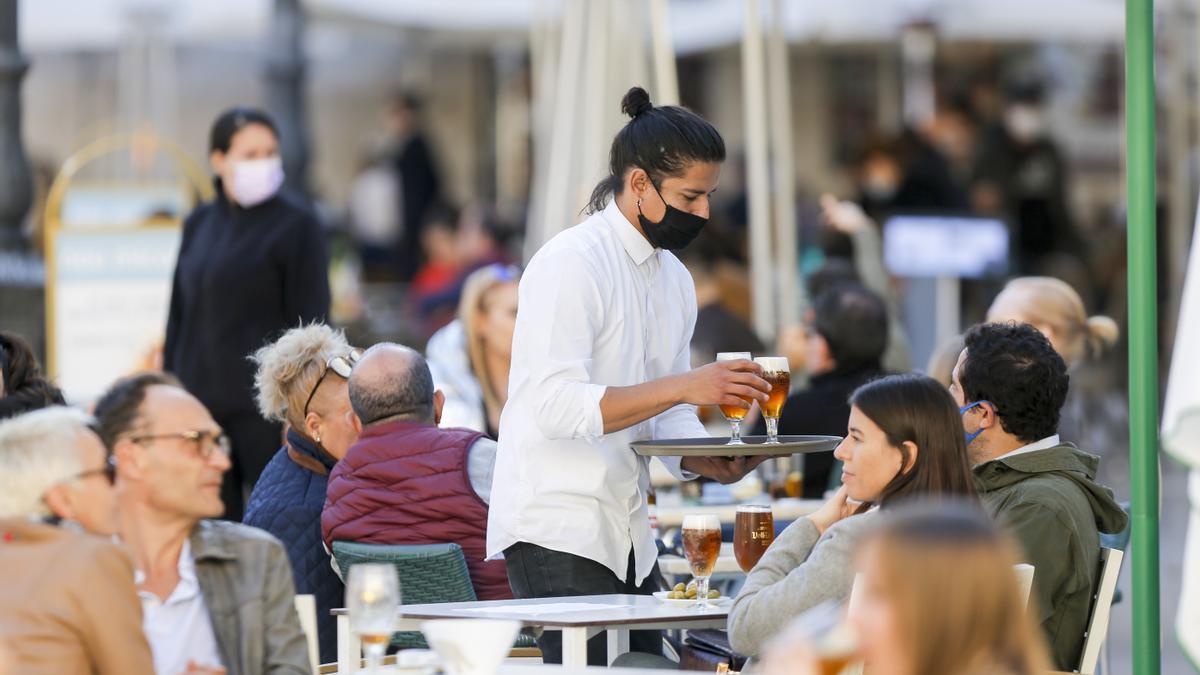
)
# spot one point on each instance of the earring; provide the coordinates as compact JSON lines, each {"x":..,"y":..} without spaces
{"x":318,"y":439}
{"x":639,"y":203}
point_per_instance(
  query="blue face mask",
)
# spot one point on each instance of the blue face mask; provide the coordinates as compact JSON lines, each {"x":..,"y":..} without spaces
{"x":962,"y":411}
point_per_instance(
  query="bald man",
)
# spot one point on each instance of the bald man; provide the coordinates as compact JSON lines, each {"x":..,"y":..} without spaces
{"x":406,"y":481}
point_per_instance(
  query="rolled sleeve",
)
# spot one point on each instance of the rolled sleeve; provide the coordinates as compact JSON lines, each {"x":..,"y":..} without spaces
{"x":561,"y":311}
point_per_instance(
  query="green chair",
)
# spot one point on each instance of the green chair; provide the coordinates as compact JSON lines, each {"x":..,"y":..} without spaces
{"x":428,"y":574}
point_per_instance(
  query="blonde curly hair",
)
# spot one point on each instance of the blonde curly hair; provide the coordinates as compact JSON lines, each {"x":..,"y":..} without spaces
{"x":289,"y":368}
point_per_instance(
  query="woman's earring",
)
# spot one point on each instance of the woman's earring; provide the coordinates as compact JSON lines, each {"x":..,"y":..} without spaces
{"x":639,"y":203}
{"x":318,"y":439}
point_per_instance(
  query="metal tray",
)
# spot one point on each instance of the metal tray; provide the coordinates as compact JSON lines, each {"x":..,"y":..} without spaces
{"x":716,"y":446}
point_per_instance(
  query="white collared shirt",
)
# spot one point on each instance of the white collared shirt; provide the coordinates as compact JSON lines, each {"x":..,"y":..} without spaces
{"x":1044,"y":444}
{"x":179,"y":629}
{"x":598,"y":307}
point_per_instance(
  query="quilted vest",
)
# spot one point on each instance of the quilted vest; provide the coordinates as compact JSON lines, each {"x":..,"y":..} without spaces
{"x":407,"y":483}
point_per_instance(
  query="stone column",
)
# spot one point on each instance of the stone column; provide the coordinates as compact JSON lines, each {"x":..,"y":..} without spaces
{"x":285,"y":70}
{"x":16,"y":183}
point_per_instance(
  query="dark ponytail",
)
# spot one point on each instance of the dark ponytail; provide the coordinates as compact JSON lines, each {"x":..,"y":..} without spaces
{"x":661,"y":140}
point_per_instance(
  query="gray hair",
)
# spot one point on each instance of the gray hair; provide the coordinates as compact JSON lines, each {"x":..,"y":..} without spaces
{"x":291,"y":367}
{"x":38,"y":451}
{"x":391,"y":382}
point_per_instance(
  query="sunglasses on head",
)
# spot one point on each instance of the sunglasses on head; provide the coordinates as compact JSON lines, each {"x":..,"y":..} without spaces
{"x":341,"y":365}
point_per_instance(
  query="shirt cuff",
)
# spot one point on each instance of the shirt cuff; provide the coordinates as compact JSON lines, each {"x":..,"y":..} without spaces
{"x":674,"y":465}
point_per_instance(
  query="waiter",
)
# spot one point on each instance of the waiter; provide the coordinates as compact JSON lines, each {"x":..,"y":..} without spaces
{"x":601,"y":358}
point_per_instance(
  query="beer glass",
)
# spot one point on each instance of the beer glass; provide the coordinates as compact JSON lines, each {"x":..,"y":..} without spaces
{"x":753,"y":532}
{"x":734,"y":414}
{"x":702,"y":546}
{"x":777,"y":372}
{"x":372,"y":598}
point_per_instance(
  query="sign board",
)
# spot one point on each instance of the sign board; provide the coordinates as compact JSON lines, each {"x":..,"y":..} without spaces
{"x":945,"y":246}
{"x":111,"y":292}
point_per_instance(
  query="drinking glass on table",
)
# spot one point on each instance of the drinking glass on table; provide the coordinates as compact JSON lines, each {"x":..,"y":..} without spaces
{"x":372,"y":597}
{"x":753,"y":532}
{"x":777,"y":372}
{"x":702,"y":546}
{"x":734,"y":414}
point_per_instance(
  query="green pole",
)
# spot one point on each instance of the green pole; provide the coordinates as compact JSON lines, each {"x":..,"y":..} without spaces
{"x":1143,"y":330}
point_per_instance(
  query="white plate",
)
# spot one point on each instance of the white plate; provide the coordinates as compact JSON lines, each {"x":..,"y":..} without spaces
{"x":662,"y":597}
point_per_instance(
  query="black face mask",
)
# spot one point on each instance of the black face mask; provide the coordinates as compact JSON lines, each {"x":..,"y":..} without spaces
{"x":677,"y":228}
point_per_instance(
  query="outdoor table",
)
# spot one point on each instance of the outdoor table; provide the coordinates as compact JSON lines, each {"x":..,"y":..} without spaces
{"x":781,"y":509}
{"x":615,"y":615}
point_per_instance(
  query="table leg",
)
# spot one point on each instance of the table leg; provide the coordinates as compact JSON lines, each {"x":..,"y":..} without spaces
{"x":618,"y":643}
{"x":349,"y":647}
{"x":574,"y":647}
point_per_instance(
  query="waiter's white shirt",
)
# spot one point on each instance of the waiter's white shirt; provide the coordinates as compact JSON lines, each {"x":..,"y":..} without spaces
{"x":598,"y":307}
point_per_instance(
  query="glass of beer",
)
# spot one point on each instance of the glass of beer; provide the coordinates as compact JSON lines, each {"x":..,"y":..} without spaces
{"x":777,"y":372}
{"x":734,"y":414}
{"x":702,"y":546}
{"x":753,"y":532}
{"x":372,"y":600}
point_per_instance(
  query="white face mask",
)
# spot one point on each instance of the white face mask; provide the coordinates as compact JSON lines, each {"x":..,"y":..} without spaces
{"x":256,"y":180}
{"x":1024,"y":123}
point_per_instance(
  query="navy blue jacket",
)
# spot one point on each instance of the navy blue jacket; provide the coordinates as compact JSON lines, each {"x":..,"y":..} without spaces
{"x":287,"y":502}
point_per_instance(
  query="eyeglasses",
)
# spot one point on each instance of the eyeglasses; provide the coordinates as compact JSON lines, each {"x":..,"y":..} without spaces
{"x":205,"y":441}
{"x":109,"y":471}
{"x":342,"y":365}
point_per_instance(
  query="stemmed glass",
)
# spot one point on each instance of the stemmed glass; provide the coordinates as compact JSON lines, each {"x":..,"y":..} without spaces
{"x":777,"y":372}
{"x":702,"y":546}
{"x":372,"y":598}
{"x":734,"y":414}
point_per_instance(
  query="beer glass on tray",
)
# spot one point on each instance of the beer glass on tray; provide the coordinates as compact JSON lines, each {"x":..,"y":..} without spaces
{"x":753,"y":532}
{"x":702,"y":546}
{"x":734,"y":414}
{"x":777,"y":372}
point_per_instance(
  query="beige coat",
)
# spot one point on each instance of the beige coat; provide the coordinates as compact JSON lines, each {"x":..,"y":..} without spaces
{"x":68,"y":603}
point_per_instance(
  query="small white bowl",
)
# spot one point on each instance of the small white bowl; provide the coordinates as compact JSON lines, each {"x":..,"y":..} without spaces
{"x":471,"y":646}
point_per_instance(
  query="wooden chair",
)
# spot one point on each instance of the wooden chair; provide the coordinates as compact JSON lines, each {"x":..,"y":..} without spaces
{"x":1097,"y":630}
{"x":306,"y":608}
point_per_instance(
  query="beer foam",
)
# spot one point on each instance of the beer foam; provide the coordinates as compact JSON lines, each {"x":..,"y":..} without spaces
{"x":773,"y":364}
{"x":733,"y":356}
{"x":701,"y":522}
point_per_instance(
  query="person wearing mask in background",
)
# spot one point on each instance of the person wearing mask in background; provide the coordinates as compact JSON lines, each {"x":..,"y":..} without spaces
{"x":938,"y":594}
{"x":217,"y":597}
{"x":1010,"y":385}
{"x":301,"y":383}
{"x":470,"y":357}
{"x":1021,"y":176}
{"x":252,"y":263}
{"x":67,"y":604}
{"x":602,"y":358}
{"x":419,"y":184}
{"x":1054,"y":308}
{"x":846,"y":339}
{"x":22,"y":386}
{"x":901,"y":442}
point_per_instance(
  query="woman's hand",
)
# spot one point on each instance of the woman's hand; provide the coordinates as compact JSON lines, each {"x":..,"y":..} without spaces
{"x":836,"y":508}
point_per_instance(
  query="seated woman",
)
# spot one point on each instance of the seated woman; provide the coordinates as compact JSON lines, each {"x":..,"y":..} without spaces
{"x":22,"y":386}
{"x":904,"y":439}
{"x":301,"y":381}
{"x":937,"y":595}
{"x":470,"y":357}
{"x":67,"y":604}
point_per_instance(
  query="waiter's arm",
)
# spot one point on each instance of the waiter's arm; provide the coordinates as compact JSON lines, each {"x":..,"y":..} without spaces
{"x":721,"y":383}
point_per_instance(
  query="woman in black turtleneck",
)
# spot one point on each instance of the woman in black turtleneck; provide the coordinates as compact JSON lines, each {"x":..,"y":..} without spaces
{"x":847,"y":335}
{"x":252,"y":264}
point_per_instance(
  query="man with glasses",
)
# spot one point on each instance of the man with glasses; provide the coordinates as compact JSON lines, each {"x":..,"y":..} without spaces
{"x":216,"y":596}
{"x":67,"y":604}
{"x":406,"y":481}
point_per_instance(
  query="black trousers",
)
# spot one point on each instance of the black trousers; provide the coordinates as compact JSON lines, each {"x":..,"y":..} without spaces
{"x":255,"y":441}
{"x":537,"y":572}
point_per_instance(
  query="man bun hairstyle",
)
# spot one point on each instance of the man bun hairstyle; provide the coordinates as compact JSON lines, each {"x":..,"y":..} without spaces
{"x":661,"y":140}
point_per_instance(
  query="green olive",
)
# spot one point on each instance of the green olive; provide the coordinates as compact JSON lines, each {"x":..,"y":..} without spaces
{"x":680,"y":587}
{"x":713,"y":595}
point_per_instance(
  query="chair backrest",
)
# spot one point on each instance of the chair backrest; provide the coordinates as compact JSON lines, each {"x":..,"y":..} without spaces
{"x":1097,"y":630}
{"x":1025,"y":573}
{"x":428,"y":573}
{"x":306,"y":609}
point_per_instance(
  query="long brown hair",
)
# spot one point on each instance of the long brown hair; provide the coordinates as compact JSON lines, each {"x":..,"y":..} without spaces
{"x":916,"y":409}
{"x":948,"y":576}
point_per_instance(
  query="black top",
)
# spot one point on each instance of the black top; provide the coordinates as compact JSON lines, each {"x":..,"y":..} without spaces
{"x":242,"y":278}
{"x":822,"y":409}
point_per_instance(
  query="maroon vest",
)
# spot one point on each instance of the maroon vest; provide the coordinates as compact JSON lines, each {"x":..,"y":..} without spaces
{"x":407,"y":483}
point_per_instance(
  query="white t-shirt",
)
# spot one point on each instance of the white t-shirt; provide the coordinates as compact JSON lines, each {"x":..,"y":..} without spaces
{"x":179,"y":630}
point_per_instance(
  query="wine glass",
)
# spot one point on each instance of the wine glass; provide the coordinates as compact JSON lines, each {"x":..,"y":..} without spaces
{"x":372,"y":599}
{"x":734,"y":414}
{"x":702,"y":546}
{"x":777,"y":372}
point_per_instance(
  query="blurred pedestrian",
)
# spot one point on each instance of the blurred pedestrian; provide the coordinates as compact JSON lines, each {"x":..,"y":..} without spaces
{"x":420,"y":186}
{"x":470,"y":358}
{"x":252,"y":263}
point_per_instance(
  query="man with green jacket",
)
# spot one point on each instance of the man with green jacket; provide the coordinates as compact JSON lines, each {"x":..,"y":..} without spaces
{"x":1011,"y":385}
